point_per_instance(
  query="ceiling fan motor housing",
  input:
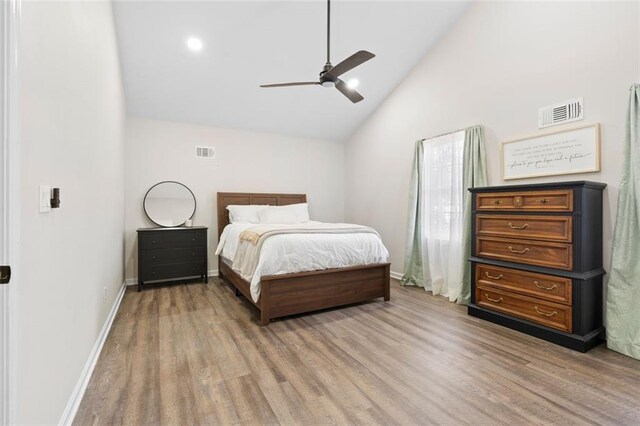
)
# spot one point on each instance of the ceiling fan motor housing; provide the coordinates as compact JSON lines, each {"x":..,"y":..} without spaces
{"x":327,"y":80}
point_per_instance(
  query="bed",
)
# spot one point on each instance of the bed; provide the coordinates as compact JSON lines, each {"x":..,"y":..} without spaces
{"x":295,"y":293}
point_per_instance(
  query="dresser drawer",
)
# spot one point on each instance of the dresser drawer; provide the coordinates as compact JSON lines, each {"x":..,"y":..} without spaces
{"x":168,"y":256}
{"x":548,"y":287}
{"x":171,"y":239}
{"x":540,"y":253}
{"x":553,"y":228}
{"x":542,"y":312}
{"x":557,"y":200}
{"x":180,"y":270}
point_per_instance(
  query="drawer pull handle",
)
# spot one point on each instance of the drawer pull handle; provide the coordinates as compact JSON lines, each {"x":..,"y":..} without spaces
{"x":497,"y":202}
{"x":546,"y":314}
{"x":493,"y":300}
{"x":512,"y":250}
{"x":543,"y":200}
{"x":553,"y":287}
{"x":493,"y":277}
{"x":512,"y":226}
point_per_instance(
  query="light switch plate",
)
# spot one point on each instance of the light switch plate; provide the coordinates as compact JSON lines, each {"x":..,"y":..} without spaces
{"x":45,"y":199}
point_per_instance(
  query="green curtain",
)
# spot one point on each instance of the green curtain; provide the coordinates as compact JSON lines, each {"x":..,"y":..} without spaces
{"x":474,"y":174}
{"x":416,"y":263}
{"x":623,"y":291}
{"x":416,"y":269}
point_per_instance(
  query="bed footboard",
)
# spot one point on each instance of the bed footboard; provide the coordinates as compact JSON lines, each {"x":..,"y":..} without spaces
{"x":290,"y":294}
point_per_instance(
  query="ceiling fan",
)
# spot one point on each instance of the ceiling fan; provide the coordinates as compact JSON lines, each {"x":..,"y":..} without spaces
{"x":329,"y":74}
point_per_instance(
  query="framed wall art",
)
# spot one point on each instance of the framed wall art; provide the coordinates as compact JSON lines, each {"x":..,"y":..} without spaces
{"x":568,"y":151}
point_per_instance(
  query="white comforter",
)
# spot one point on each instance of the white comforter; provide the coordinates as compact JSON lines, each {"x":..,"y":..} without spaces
{"x":288,"y":253}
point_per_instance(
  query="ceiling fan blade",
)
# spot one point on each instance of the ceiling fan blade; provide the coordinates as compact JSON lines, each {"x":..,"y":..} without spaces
{"x":353,"y":96}
{"x":350,"y":63}
{"x":301,"y":83}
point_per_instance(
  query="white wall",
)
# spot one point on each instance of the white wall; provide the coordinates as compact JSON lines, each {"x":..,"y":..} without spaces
{"x":245,"y":162}
{"x":2,"y":73}
{"x":496,"y":66}
{"x":72,"y":121}
{"x":4,"y":292}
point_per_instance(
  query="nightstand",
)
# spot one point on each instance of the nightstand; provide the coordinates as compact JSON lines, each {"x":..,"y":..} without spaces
{"x":171,"y":253}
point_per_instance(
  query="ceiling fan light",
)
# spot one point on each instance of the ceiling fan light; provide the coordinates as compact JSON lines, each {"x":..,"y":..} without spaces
{"x":194,"y":44}
{"x":328,"y":83}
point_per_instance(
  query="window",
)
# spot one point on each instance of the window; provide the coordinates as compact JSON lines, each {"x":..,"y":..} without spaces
{"x":443,"y":210}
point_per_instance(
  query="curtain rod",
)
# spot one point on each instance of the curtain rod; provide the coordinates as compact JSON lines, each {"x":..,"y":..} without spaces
{"x":448,"y":133}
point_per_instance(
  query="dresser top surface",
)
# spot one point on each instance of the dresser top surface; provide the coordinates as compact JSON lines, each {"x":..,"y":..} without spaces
{"x":181,"y":228}
{"x":547,"y":185}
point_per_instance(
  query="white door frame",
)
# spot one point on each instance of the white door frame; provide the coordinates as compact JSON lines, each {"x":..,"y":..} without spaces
{"x":9,"y":205}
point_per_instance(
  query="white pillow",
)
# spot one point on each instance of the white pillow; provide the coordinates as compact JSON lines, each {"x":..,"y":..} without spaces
{"x":281,"y":217}
{"x":245,"y":214}
{"x":293,"y":213}
{"x":300,"y":210}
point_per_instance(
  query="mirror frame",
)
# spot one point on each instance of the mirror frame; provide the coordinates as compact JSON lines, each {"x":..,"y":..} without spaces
{"x":144,"y":203}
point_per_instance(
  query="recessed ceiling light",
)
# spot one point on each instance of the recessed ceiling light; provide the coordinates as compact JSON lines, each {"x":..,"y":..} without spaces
{"x":194,"y":44}
{"x":353,"y":83}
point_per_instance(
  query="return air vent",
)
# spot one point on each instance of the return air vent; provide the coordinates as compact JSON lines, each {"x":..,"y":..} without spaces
{"x":205,"y":152}
{"x":561,"y":113}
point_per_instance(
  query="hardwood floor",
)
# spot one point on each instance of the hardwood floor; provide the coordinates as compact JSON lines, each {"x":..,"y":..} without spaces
{"x":195,"y":354}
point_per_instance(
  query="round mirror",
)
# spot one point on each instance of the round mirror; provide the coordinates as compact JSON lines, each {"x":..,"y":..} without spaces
{"x":169,"y":204}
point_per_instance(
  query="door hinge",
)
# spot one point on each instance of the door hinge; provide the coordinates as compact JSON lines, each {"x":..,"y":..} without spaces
{"x":5,"y":274}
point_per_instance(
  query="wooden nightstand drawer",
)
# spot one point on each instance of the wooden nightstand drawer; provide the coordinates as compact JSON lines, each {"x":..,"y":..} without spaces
{"x":552,"y":228}
{"x":169,"y":256}
{"x":171,"y":239}
{"x":539,"y":311}
{"x":548,"y":287}
{"x":540,"y":253}
{"x":557,"y":200}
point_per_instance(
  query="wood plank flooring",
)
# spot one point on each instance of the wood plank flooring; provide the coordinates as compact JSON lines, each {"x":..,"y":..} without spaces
{"x":194,"y":354}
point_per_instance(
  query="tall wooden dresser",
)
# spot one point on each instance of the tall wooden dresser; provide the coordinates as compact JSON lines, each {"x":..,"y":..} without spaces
{"x":537,"y":260}
{"x":171,"y":253}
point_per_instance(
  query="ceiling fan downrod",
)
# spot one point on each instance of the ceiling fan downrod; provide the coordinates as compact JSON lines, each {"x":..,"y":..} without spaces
{"x":328,"y":32}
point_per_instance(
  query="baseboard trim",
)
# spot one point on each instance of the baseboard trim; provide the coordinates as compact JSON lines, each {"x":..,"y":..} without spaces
{"x":76,"y":397}
{"x":134,"y":281}
{"x":396,"y":275}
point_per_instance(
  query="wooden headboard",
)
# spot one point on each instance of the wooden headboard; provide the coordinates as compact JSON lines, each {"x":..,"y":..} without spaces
{"x":244,"y":199}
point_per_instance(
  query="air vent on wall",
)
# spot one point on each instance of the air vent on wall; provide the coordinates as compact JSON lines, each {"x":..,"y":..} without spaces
{"x":205,"y":152}
{"x":561,"y":113}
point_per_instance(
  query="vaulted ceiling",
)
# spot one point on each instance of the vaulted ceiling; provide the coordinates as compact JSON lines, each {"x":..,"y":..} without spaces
{"x":246,"y":44}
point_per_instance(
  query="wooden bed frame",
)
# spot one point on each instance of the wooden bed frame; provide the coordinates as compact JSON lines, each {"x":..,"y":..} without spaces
{"x":290,"y":294}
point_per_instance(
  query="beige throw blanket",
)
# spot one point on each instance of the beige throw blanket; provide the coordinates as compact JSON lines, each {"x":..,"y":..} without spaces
{"x":256,"y":234}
